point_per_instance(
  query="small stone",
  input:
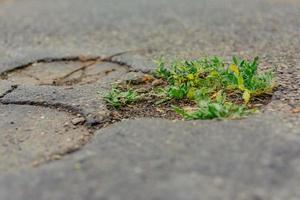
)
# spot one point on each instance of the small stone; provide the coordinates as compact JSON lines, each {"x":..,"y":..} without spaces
{"x":69,"y":88}
{"x":78,"y":120}
{"x":35,"y":163}
{"x":296,"y":110}
{"x":157,"y":82}
{"x":55,"y":157}
{"x":133,"y":77}
{"x":103,"y":113}
{"x":159,"y":110}
{"x":147,"y":78}
{"x":116,"y":114}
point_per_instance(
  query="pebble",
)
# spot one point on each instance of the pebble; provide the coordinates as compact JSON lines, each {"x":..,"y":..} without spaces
{"x":157,"y":82}
{"x":78,"y":120}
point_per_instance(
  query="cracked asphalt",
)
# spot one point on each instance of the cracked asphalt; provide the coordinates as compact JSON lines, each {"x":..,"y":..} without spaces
{"x":56,"y":142}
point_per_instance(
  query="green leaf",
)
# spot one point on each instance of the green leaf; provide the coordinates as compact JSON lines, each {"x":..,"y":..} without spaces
{"x":235,"y":60}
{"x":220,"y":97}
{"x":246,"y":96}
{"x":191,"y":93}
{"x":234,"y":69}
{"x":179,"y":111}
{"x":241,"y":83}
{"x":209,"y":84}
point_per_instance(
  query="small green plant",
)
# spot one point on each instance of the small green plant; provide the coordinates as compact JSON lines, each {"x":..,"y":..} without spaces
{"x":116,"y":98}
{"x":208,"y":109}
{"x":211,"y":110}
{"x":214,"y":88}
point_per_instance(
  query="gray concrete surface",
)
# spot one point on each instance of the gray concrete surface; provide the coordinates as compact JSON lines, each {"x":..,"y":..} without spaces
{"x":31,"y":134}
{"x":255,"y":158}
{"x":250,"y":159}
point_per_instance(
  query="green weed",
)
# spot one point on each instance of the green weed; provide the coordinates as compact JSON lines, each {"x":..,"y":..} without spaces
{"x":208,"y":109}
{"x":218,"y":89}
{"x":116,"y":98}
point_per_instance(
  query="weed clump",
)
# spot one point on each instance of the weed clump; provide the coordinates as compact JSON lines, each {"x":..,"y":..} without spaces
{"x":117,"y":98}
{"x":210,"y":88}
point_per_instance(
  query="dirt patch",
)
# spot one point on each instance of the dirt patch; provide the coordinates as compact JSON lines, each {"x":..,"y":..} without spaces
{"x":64,"y":73}
{"x":150,"y":108}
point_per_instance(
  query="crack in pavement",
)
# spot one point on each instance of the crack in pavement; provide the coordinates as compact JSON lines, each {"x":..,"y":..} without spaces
{"x":79,"y":58}
{"x":78,"y":135}
{"x":13,"y":87}
{"x":75,"y":70}
{"x":92,"y":127}
{"x":91,"y":124}
{"x":3,"y":75}
{"x":61,"y":108}
{"x":58,"y":106}
{"x":81,"y":68}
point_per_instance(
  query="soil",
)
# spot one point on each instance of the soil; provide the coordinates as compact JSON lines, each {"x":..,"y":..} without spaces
{"x":148,"y":107}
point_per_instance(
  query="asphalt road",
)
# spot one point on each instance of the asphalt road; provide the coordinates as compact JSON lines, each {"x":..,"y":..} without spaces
{"x":50,"y":145}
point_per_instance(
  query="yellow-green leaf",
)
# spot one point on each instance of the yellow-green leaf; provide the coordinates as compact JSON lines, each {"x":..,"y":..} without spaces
{"x":191,"y":93}
{"x":246,"y":96}
{"x":219,"y":97}
{"x":214,"y":73}
{"x":234,"y":69}
{"x":190,"y":76}
{"x":241,"y":83}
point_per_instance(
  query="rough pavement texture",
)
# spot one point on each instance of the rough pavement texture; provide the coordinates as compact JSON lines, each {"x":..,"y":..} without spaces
{"x":5,"y":87}
{"x":65,"y":73}
{"x":82,"y":93}
{"x":42,"y":41}
{"x":30,"y":134}
{"x":158,"y":159}
{"x":189,"y":28}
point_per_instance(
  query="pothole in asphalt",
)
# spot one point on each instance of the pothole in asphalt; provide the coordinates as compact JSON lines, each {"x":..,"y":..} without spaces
{"x":31,"y":135}
{"x":203,"y":89}
{"x":153,"y":106}
{"x":65,"y":73}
